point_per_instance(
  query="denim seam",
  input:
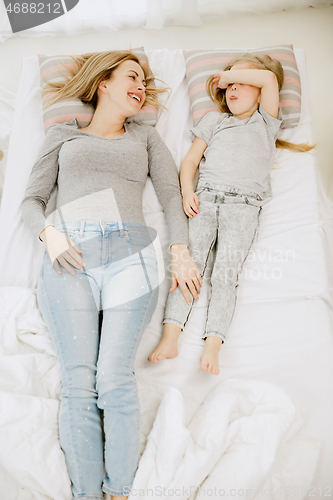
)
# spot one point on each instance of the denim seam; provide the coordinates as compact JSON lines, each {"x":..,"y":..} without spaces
{"x":142,"y":322}
{"x":204,"y":268}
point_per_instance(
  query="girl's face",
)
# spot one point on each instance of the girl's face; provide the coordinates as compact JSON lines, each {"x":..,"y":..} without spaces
{"x":242,"y":100}
{"x":126,"y":89}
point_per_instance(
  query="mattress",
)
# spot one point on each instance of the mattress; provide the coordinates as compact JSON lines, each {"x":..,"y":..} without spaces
{"x":263,"y":425}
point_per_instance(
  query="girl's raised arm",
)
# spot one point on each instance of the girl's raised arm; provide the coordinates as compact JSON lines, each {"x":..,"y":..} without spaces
{"x":262,"y":78}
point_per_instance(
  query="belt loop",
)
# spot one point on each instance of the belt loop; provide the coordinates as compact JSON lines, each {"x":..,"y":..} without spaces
{"x":100,"y":223}
{"x":82,"y":228}
{"x":121,"y":228}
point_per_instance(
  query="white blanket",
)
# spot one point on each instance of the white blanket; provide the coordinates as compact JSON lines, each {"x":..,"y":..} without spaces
{"x":230,"y":445}
{"x":265,"y":420}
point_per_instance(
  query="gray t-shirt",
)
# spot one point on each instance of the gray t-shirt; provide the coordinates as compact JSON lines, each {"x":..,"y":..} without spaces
{"x":240,"y":153}
{"x":101,"y":179}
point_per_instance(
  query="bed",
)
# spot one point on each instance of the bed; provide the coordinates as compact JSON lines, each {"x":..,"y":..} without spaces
{"x":262,"y":427}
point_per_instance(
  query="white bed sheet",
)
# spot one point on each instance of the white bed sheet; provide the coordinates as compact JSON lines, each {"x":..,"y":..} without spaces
{"x":279,"y":348}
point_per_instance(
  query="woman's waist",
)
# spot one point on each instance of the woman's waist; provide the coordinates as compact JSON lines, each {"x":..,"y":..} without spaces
{"x":93,"y":216}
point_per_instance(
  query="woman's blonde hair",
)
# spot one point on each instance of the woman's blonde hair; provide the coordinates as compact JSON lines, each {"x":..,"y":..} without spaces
{"x":260,"y":62}
{"x":90,"y":70}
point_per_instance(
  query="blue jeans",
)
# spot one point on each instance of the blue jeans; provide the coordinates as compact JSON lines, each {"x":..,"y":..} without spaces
{"x":229,"y":218}
{"x":120,"y":279}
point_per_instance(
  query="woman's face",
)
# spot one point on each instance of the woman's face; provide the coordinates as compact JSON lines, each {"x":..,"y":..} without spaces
{"x":126,"y":88}
{"x":242,"y":100}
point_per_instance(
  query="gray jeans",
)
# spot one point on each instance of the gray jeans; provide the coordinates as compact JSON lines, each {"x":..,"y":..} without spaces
{"x":230,"y":218}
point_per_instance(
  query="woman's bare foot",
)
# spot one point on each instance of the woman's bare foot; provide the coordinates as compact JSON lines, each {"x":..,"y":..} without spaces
{"x":167,"y":348}
{"x":210,"y":356}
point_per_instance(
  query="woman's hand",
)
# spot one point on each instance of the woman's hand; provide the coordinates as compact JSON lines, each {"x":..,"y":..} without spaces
{"x":185,"y":272}
{"x":220,"y":80}
{"x":61,"y":249}
{"x":190,"y":203}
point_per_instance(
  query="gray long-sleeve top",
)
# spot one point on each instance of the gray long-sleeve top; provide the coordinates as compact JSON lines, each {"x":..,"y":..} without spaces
{"x":101,"y":179}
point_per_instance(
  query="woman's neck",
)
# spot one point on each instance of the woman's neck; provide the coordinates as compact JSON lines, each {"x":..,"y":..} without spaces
{"x":106,"y":125}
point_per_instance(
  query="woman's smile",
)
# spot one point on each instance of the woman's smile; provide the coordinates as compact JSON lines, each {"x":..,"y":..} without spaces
{"x":136,"y":97}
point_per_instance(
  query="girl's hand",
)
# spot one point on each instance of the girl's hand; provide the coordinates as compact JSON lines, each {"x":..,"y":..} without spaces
{"x":61,"y":249}
{"x":184,"y":271}
{"x":190,"y":203}
{"x":220,"y":80}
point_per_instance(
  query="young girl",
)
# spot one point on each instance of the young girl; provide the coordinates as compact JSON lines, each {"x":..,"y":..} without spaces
{"x":234,"y":178}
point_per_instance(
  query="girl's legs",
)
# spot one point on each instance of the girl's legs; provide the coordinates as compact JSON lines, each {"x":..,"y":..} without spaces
{"x":238,"y":225}
{"x":234,"y":223}
{"x":99,"y":375}
{"x":202,"y":237}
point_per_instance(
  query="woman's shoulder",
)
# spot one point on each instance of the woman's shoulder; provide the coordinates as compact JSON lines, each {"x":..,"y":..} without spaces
{"x":72,"y":124}
{"x":63,"y":127}
{"x":142,"y":130}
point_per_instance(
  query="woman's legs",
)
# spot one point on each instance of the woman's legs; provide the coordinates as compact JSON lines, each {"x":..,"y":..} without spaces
{"x":122,"y":331}
{"x":69,"y":310}
{"x":121,"y":277}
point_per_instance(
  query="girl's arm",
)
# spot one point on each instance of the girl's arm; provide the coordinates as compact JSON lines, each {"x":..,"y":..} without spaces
{"x":262,"y":78}
{"x":187,"y":173}
{"x":190,"y":164}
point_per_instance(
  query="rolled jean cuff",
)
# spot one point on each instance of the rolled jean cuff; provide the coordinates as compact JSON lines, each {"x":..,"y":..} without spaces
{"x":174,"y":322}
{"x":214,"y":334}
{"x":89,"y":497}
{"x":118,"y":493}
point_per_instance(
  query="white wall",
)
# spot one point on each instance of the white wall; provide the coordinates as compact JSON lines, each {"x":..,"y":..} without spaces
{"x":310,"y":29}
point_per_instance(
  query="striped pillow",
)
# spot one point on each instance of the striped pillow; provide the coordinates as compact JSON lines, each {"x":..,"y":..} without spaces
{"x":51,"y":68}
{"x":200,"y":64}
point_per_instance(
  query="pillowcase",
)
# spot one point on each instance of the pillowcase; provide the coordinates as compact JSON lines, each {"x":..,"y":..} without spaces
{"x":200,"y":64}
{"x":51,"y":68}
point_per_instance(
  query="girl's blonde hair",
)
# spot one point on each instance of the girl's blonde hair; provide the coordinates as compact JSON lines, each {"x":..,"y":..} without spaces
{"x":90,"y":70}
{"x":260,"y":62}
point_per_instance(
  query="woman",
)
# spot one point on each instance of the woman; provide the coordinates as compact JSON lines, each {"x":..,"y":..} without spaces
{"x":99,"y":230}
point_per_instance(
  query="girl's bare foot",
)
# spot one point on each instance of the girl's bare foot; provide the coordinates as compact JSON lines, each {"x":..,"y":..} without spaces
{"x":210,"y":356}
{"x":167,"y":348}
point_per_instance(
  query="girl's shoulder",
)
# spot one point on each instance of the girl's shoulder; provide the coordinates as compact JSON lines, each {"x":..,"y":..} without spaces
{"x":213,"y":116}
{"x":273,"y":124}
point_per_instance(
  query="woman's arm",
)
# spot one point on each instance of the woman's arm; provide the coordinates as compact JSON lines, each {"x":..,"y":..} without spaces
{"x":164,"y":175}
{"x":41,"y":182}
{"x":261,"y":78}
